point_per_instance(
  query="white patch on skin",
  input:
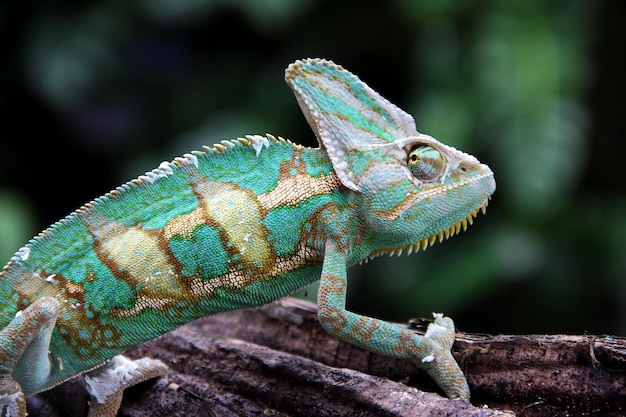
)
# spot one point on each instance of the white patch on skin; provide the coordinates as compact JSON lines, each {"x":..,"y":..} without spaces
{"x":428,"y":358}
{"x":434,"y":329}
{"x":192,"y":159}
{"x":165,"y":167}
{"x":22,"y":254}
{"x":257,"y":142}
{"x":186,"y":159}
{"x":111,"y":380}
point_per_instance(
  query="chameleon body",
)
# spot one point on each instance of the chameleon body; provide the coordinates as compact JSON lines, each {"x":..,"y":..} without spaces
{"x":238,"y":224}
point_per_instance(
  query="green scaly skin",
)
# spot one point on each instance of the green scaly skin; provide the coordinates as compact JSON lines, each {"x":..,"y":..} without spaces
{"x":238,"y":224}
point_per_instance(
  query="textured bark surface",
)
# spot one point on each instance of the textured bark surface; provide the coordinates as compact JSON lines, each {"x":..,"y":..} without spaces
{"x":278,"y":361}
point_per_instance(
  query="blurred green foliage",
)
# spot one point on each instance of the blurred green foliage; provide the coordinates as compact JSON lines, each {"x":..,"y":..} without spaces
{"x":94,"y":94}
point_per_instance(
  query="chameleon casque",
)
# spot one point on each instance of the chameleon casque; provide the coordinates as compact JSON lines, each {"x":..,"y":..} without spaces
{"x":238,"y":224}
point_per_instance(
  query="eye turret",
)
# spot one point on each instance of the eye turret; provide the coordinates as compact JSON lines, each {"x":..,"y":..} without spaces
{"x":426,"y":163}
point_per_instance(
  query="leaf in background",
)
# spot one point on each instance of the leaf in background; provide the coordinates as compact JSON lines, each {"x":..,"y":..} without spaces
{"x":534,"y":118}
{"x":16,"y":224}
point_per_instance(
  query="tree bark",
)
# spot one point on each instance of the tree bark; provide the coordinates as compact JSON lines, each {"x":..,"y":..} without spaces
{"x":276,"y":360}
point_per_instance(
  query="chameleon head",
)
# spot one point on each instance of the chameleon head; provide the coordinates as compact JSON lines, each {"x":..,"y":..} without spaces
{"x":419,"y":190}
{"x":413,"y":189}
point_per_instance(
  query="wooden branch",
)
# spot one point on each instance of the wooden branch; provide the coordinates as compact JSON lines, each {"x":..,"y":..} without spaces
{"x":277,"y":360}
{"x":539,"y":375}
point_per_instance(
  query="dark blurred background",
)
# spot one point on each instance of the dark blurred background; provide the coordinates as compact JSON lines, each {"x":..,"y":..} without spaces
{"x":93,"y":94}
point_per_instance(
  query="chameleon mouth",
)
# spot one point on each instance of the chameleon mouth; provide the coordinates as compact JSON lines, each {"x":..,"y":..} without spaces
{"x":431,"y":240}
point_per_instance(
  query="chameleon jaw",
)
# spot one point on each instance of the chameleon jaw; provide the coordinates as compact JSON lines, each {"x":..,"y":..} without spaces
{"x":430,"y":241}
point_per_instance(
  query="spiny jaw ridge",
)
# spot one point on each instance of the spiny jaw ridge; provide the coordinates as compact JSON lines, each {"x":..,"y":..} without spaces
{"x":430,"y":241}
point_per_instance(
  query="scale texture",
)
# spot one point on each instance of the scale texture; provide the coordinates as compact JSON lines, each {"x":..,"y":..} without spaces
{"x":238,"y":224}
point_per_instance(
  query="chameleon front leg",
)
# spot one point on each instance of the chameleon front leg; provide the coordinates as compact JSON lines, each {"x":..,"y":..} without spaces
{"x":24,"y":345}
{"x":431,"y":351}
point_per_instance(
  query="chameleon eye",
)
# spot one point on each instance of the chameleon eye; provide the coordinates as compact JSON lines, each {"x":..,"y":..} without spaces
{"x":427,"y":163}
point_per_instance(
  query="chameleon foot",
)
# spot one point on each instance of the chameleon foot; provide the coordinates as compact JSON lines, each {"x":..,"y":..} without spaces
{"x":24,"y":354}
{"x":106,"y":384}
{"x":440,"y":363}
{"x":12,"y":403}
